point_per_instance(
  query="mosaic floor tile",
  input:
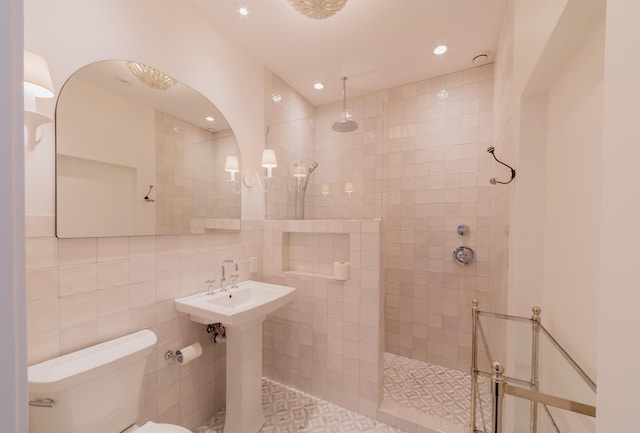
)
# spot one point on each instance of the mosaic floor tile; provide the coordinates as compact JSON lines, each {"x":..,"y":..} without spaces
{"x":290,"y":411}
{"x":431,"y":389}
{"x":428,"y":388}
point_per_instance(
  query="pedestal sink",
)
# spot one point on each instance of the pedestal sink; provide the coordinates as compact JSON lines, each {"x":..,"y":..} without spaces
{"x":241,"y":310}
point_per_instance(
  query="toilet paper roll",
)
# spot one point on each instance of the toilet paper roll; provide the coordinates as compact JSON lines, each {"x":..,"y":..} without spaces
{"x":341,"y":271}
{"x":189,"y":353}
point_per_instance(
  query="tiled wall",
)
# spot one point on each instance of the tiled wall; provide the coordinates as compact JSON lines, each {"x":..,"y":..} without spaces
{"x":436,"y":177}
{"x":314,"y":252}
{"x":289,"y":118}
{"x":328,"y":342}
{"x":192,"y":185}
{"x":431,"y":138}
{"x":300,"y":132}
{"x":354,"y":158}
{"x":84,"y":291}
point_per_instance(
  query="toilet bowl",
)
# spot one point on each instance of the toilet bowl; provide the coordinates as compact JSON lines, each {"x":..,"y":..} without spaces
{"x":97,"y":389}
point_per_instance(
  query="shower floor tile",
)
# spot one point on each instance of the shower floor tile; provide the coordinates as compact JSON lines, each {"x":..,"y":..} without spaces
{"x":431,"y":389}
{"x":288,"y":410}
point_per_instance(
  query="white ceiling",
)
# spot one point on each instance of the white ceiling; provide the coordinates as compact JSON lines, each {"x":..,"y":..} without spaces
{"x":378,"y":44}
{"x":179,"y":101}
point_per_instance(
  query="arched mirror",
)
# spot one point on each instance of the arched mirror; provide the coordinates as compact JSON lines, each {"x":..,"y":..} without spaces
{"x":139,"y":153}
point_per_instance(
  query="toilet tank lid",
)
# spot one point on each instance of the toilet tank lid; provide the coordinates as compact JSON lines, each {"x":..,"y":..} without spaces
{"x":59,"y":373}
{"x":151,"y":427}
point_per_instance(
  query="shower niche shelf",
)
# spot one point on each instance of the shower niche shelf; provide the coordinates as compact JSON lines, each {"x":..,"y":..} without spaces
{"x":312,"y":254}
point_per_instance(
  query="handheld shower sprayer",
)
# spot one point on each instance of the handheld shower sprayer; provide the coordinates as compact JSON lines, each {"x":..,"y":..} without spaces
{"x":310,"y":170}
{"x":493,"y":180}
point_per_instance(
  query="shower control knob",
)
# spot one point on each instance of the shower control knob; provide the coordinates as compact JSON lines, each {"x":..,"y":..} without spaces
{"x":463,"y":230}
{"x":464,"y":256}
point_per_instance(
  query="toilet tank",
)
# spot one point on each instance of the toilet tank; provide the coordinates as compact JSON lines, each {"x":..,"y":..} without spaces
{"x":94,"y":390}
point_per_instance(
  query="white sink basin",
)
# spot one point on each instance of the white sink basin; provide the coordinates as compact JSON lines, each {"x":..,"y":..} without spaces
{"x":241,"y":311}
{"x":250,"y":301}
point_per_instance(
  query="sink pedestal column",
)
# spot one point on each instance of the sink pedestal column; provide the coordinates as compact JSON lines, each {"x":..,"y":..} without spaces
{"x":244,"y":379}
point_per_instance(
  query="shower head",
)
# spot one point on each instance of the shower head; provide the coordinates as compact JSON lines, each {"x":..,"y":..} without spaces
{"x":491,"y":149}
{"x":345,"y":124}
{"x":306,"y":178}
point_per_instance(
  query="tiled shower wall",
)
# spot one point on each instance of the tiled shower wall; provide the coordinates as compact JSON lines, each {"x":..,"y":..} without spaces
{"x":436,"y":172}
{"x":436,"y":178}
{"x":289,"y":118}
{"x":84,"y":291}
{"x":349,"y":158}
{"x":191,"y":184}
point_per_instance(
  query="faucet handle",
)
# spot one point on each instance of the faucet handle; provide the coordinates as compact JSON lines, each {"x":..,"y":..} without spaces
{"x":210,"y":283}
{"x":234,"y":281}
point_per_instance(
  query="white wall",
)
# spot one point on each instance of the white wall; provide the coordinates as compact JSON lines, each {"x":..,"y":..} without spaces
{"x":619,"y":298}
{"x":13,"y":373}
{"x":176,"y":40}
{"x":533,"y":22}
{"x":574,"y":204}
{"x":572,"y":198}
{"x":558,"y":136}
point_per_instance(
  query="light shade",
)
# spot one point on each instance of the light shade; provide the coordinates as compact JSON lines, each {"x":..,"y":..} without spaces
{"x":348,"y":187}
{"x":269,"y":158}
{"x":231,"y":164}
{"x":269,"y":161}
{"x":299,"y":169}
{"x":37,"y":80}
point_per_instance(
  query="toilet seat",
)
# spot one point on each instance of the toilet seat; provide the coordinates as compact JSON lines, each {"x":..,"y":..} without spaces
{"x":152,"y":427}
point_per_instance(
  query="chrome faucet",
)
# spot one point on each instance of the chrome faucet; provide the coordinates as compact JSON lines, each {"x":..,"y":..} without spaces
{"x":223,"y":281}
{"x":210,"y":290}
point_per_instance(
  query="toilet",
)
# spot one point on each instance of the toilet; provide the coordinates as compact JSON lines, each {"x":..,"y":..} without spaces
{"x":96,"y":390}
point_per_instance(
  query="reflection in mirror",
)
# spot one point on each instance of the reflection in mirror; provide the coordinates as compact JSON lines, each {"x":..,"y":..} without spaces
{"x":138,"y":153}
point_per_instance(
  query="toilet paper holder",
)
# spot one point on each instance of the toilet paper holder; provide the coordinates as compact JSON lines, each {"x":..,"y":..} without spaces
{"x":184,"y":355}
{"x":174,"y":356}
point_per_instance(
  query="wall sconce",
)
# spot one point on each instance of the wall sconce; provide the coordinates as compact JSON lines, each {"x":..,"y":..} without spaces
{"x":324,"y":190}
{"x":37,"y":84}
{"x":299,"y":169}
{"x":269,"y":161}
{"x":232,"y":165}
{"x":348,"y":188}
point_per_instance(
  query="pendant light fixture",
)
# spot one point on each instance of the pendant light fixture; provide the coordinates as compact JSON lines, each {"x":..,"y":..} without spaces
{"x":345,"y":124}
{"x":318,"y":9}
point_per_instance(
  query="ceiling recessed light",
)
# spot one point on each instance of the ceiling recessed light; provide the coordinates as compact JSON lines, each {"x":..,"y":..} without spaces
{"x":318,"y":86}
{"x":209,"y":119}
{"x":440,"y":49}
{"x":243,"y":11}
